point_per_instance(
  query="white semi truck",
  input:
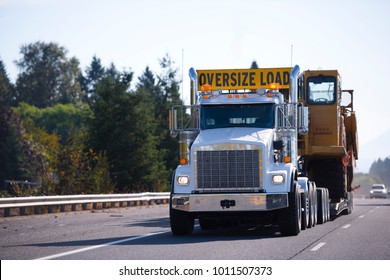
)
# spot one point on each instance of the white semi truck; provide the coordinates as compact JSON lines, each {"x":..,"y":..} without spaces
{"x":245,"y":152}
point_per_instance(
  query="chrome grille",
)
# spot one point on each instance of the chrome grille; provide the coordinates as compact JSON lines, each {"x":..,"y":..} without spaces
{"x":228,"y":170}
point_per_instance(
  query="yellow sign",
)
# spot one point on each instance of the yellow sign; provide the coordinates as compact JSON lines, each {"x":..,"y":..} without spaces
{"x":231,"y":79}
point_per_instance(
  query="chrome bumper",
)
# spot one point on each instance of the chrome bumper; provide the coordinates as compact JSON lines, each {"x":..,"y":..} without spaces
{"x":229,"y":202}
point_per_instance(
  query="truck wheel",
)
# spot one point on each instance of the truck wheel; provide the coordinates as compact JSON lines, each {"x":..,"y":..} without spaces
{"x":181,"y":222}
{"x":305,"y":211}
{"x":321,"y":206}
{"x":327,"y":205}
{"x":290,"y":218}
{"x":315,"y":206}
{"x":312,"y":206}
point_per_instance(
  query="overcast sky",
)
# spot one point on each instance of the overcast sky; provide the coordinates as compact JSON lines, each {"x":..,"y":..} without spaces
{"x":352,"y":36}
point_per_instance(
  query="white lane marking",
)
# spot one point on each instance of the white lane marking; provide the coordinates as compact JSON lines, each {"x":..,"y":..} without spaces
{"x":319,"y":245}
{"x":347,"y":226}
{"x":362,"y":216}
{"x":101,"y":245}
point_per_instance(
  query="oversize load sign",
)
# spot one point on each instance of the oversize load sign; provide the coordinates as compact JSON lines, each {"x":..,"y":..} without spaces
{"x":244,"y":78}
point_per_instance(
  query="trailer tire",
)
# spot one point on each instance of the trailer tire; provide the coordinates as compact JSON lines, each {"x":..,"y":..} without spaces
{"x":290,"y":218}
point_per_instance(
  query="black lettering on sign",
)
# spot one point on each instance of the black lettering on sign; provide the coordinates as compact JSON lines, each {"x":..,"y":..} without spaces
{"x":270,"y":78}
{"x":278,"y":78}
{"x":234,"y":79}
{"x":252,"y":79}
{"x":244,"y":81}
{"x":262,"y":82}
{"x":210,"y":78}
{"x":225,"y":79}
{"x":217,"y":79}
{"x":286,"y":78}
{"x":202,"y":79}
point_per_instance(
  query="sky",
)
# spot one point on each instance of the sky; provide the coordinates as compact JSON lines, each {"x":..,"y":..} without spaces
{"x":352,"y":36}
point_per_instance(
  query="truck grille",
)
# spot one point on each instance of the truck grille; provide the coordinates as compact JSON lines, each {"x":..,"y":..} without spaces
{"x":228,"y":170}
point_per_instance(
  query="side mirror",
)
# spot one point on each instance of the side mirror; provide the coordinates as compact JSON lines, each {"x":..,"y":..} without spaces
{"x":173,"y":122}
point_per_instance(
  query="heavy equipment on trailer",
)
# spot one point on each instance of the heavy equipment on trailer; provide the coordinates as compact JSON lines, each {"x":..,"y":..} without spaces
{"x":265,"y":144}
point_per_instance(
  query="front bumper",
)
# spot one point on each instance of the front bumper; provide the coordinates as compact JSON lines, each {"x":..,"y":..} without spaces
{"x":229,"y":202}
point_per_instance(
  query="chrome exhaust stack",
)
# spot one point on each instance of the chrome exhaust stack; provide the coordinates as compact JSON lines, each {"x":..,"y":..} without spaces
{"x":194,"y":86}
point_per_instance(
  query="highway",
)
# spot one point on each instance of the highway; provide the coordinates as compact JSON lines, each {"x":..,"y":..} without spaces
{"x":143,"y":233}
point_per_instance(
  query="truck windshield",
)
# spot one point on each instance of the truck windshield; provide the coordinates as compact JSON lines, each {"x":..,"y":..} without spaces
{"x":321,"y":90}
{"x":238,"y":115}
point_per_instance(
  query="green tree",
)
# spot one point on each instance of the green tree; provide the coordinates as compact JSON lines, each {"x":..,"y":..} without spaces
{"x":380,"y":169}
{"x":47,"y":76}
{"x":168,"y":96}
{"x":7,"y":90}
{"x":93,"y":74}
{"x":61,"y":119}
{"x":123,"y":127}
{"x":254,"y":65}
{"x":81,"y":170}
{"x":12,"y":147}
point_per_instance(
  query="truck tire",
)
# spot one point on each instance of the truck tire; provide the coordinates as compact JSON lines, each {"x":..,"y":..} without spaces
{"x":312,"y":206}
{"x":305,"y":211}
{"x":327,"y":205}
{"x":181,"y":222}
{"x":290,"y":218}
{"x":321,"y":206}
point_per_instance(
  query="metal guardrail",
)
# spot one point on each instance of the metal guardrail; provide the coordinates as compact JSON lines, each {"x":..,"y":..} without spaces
{"x":35,"y":205}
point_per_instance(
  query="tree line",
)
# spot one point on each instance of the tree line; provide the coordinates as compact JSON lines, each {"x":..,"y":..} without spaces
{"x":380,"y":170}
{"x":74,"y":131}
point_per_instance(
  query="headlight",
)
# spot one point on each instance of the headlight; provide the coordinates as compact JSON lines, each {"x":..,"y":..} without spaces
{"x":278,"y":179}
{"x":183,"y":180}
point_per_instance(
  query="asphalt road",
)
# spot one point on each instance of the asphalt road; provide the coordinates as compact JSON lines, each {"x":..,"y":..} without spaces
{"x":144,"y":234}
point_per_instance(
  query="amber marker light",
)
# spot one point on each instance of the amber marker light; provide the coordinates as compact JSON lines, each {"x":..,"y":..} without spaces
{"x":205,"y":88}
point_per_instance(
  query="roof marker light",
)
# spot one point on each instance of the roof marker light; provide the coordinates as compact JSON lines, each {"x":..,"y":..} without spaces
{"x":274,"y":86}
{"x":205,"y":88}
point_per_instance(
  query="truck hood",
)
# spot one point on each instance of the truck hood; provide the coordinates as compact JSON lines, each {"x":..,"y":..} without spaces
{"x":239,"y":135}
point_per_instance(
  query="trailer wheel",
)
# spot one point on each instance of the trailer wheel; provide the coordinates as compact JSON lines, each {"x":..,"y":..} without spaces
{"x":290,"y":218}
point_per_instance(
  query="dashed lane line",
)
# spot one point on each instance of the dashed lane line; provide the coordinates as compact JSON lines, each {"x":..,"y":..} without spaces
{"x":318,"y":246}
